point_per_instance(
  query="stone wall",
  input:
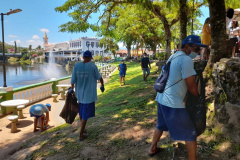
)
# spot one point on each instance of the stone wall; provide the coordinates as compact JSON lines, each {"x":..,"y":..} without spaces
{"x":226,"y":79}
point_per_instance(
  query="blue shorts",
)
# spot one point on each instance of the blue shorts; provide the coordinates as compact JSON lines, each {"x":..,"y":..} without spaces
{"x":33,"y":115}
{"x":122,"y":74}
{"x":146,"y":70}
{"x":177,"y":121}
{"x":87,"y":110}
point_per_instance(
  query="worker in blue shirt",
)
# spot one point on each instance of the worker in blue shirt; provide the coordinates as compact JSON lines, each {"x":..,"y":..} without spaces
{"x":122,"y":72}
{"x":38,"y":111}
{"x":84,"y":79}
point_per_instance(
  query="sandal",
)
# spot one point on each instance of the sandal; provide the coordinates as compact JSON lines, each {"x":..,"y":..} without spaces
{"x":157,"y":151}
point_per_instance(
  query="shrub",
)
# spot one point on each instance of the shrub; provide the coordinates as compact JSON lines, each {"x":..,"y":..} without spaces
{"x":12,"y":59}
{"x":161,"y":56}
{"x":34,"y":55}
{"x":97,"y":58}
{"x":25,"y":56}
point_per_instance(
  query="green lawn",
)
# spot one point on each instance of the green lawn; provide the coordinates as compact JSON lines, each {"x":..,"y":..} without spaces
{"x":125,"y":116}
{"x":123,"y":127}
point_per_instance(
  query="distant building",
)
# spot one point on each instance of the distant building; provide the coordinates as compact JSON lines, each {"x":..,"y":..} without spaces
{"x":87,"y":43}
{"x":45,"y":42}
{"x":140,"y":52}
{"x":10,"y":50}
{"x":122,"y":53}
{"x":73,"y":49}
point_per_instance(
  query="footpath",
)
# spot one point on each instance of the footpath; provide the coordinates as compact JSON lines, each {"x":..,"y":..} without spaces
{"x":10,"y":142}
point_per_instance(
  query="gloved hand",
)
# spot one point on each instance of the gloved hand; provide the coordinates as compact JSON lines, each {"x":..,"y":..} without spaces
{"x":70,"y":90}
{"x":102,"y":89}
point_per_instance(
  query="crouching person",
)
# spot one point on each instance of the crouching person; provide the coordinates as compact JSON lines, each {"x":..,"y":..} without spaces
{"x":38,"y":111}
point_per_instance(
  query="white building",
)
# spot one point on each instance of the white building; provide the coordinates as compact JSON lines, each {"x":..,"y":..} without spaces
{"x":87,"y":43}
{"x":61,"y":46}
{"x":74,"y":48}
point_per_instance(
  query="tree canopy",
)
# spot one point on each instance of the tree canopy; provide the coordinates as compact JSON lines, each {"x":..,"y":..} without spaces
{"x":82,"y":11}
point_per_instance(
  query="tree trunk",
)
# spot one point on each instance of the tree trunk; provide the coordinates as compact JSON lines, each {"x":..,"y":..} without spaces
{"x":137,"y":48}
{"x":167,"y":29}
{"x":168,"y":41}
{"x":218,"y":30}
{"x":218,"y":34}
{"x":129,"y":51}
{"x":15,"y":45}
{"x":154,"y":51}
{"x":183,"y":20}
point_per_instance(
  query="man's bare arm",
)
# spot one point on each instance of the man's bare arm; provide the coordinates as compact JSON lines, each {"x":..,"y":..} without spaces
{"x":101,"y":81}
{"x":191,"y":85}
{"x":47,"y":118}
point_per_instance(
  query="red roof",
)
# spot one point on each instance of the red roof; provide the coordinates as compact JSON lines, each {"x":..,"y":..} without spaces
{"x":122,"y":51}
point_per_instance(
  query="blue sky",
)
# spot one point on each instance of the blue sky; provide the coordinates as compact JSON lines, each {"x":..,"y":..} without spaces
{"x":28,"y":27}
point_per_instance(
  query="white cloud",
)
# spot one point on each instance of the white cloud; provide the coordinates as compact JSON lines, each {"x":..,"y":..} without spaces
{"x":12,"y":36}
{"x":12,"y":42}
{"x":44,"y":30}
{"x":18,"y":41}
{"x":30,"y":41}
{"x":34,"y":43}
{"x":35,"y":37}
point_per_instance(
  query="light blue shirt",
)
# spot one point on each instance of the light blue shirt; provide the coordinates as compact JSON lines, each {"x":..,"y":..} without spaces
{"x":85,"y":76}
{"x":181,"y":67}
{"x":38,"y":109}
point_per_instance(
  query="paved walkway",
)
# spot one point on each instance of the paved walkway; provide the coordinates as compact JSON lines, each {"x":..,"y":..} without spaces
{"x":9,"y":142}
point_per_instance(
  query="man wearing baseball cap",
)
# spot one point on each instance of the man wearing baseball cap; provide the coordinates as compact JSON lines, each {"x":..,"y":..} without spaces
{"x":172,"y":114}
{"x":122,"y":67}
{"x":84,"y":79}
{"x":38,"y":111}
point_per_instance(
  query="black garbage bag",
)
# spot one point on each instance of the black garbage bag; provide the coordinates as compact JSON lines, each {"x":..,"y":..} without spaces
{"x":70,"y":109}
{"x":196,"y":105}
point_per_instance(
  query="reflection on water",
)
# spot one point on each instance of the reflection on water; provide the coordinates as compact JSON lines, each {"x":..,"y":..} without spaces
{"x":19,"y":74}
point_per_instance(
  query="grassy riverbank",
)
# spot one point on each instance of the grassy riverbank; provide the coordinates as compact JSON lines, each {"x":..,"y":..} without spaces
{"x":12,"y":59}
{"x":123,"y":127}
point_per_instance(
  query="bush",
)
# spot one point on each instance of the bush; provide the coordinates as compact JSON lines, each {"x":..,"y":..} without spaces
{"x":97,"y":58}
{"x":34,"y":55}
{"x":106,"y":58}
{"x":25,"y":56}
{"x":39,"y":53}
{"x":161,"y":56}
{"x":12,"y":59}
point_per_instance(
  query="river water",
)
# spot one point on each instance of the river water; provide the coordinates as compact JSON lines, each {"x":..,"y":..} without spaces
{"x":19,"y":75}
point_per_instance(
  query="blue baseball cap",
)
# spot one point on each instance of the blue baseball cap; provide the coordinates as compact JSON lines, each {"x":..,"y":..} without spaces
{"x":48,"y":105}
{"x":193,"y":39}
{"x":122,"y":60}
{"x":87,"y":53}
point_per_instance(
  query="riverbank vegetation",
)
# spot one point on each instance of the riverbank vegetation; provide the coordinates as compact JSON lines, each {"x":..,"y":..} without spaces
{"x":21,"y":60}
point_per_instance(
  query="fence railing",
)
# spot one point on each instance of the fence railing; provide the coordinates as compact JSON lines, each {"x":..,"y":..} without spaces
{"x":41,"y":91}
{"x":33,"y":93}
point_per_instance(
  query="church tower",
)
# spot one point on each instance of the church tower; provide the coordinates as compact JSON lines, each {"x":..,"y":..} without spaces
{"x":45,"y":40}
